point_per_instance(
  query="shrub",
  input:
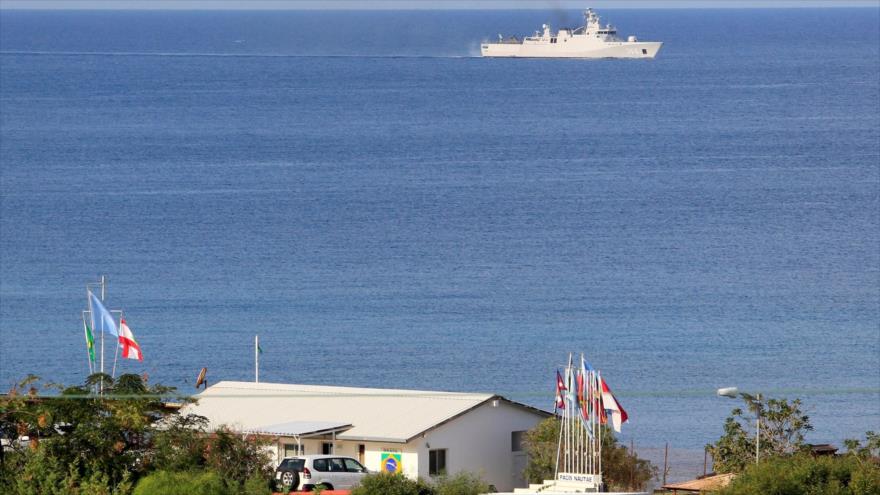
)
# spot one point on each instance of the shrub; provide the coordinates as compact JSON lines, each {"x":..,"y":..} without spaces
{"x":256,"y":484}
{"x":182,"y":483}
{"x":461,"y":484}
{"x":237,"y":458}
{"x":391,"y":484}
{"x":807,"y":475}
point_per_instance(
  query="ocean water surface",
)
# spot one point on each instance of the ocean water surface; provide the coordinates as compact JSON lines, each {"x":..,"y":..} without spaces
{"x":386,"y":209}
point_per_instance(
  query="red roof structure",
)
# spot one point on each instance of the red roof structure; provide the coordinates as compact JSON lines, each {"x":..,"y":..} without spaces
{"x":709,"y":483}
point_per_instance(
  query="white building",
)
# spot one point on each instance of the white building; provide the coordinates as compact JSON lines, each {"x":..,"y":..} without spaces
{"x":423,"y":432}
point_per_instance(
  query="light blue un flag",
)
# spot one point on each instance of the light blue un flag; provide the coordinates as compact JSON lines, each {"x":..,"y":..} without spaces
{"x":101,"y":318}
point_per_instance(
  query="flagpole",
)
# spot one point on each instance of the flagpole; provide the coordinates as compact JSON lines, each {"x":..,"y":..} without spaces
{"x":561,"y":423}
{"x":593,"y":449}
{"x":116,"y":354}
{"x":602,"y":406}
{"x":103,"y":293}
{"x":256,"y":359}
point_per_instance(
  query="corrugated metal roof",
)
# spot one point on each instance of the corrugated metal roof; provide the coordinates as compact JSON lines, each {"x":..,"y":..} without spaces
{"x":301,"y":428}
{"x":376,"y":414}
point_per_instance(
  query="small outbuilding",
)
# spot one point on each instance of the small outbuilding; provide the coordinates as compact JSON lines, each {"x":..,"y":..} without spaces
{"x":418,"y":433}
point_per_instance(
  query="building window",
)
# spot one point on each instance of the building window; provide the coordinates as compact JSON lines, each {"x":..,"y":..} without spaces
{"x":326,"y":448}
{"x":516,"y":439}
{"x":644,"y":51}
{"x":292,"y":449}
{"x":437,"y":462}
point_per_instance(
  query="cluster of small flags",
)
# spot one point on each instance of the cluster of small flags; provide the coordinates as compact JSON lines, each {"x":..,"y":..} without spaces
{"x":585,"y":390}
{"x":102,"y":320}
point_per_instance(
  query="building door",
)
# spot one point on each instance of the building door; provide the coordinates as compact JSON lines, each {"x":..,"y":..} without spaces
{"x":362,"y":450}
{"x":520,"y":460}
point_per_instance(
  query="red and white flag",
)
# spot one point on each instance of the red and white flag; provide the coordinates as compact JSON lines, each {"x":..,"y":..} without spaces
{"x":130,"y":347}
{"x":560,"y":387}
{"x":618,"y":415}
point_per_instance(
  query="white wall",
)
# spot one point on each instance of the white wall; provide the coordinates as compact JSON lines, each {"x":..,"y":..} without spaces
{"x":480,"y":442}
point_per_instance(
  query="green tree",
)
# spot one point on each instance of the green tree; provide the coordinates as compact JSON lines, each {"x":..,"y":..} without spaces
{"x":85,"y":442}
{"x":783,"y":425}
{"x":540,"y":443}
{"x":78,"y":438}
{"x":237,"y":458}
{"x":867,"y":451}
{"x":621,"y":469}
{"x":181,"y":444}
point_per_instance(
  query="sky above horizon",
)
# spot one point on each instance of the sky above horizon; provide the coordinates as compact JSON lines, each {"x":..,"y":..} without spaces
{"x":419,"y":4}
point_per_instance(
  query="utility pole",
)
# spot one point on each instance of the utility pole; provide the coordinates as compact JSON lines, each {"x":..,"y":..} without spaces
{"x":665,"y":463}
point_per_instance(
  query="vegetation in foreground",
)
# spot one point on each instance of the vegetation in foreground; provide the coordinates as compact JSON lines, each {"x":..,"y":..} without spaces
{"x":787,"y":467}
{"x":119,"y":443}
{"x":126,"y":442}
{"x":804,"y":474}
{"x":397,"y":484}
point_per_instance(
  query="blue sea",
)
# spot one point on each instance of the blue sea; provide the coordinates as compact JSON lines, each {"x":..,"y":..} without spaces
{"x":386,"y":209}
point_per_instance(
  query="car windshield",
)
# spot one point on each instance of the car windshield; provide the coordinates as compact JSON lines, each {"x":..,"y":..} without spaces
{"x":292,"y":464}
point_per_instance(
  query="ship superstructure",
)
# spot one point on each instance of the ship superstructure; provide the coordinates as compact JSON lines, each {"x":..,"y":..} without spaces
{"x":592,"y":40}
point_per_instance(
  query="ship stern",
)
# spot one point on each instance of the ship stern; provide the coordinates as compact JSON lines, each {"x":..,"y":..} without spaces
{"x":499,"y":49}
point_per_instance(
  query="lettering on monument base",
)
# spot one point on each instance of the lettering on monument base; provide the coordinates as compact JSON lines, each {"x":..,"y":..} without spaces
{"x":581,"y":480}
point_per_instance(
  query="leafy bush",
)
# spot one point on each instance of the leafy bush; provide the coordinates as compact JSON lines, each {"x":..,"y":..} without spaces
{"x":391,"y":484}
{"x":80,"y":439}
{"x":182,"y":483}
{"x":181,"y":444}
{"x":236,"y":458}
{"x":85,"y":443}
{"x":806,"y":475}
{"x":257,"y":484}
{"x":461,"y":484}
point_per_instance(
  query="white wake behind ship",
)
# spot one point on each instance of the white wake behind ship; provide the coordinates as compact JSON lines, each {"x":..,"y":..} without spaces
{"x":592,"y":40}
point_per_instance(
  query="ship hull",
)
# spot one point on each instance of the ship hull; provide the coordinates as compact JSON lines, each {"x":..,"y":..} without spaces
{"x":622,"y":49}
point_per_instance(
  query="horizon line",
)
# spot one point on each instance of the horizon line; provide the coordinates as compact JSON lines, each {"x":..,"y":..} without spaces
{"x":423,"y":5}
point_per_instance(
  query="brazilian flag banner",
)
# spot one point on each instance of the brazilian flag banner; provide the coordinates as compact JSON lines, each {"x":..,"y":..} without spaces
{"x":90,"y":343}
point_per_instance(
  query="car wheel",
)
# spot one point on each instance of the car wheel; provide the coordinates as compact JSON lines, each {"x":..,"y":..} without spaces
{"x":290,"y":479}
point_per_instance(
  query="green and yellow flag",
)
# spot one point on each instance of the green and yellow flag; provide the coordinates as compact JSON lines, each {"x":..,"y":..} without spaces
{"x":90,"y":343}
